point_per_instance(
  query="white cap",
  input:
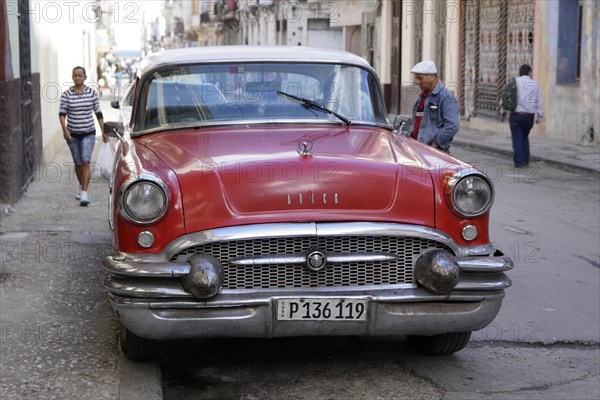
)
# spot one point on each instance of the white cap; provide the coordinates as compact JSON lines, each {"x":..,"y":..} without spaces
{"x":424,"y":67}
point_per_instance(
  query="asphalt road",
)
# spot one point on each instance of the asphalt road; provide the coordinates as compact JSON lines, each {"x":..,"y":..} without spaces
{"x":544,"y":344}
{"x":548,"y":221}
{"x":59,"y":334}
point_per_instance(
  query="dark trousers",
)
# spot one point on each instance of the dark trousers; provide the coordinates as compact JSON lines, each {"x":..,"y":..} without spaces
{"x":520,"y":125}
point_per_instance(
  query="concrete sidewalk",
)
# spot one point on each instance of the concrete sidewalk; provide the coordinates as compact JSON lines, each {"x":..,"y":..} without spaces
{"x":555,"y":152}
{"x":59,"y":334}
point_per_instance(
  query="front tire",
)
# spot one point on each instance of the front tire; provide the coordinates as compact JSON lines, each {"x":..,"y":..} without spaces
{"x":137,"y":348}
{"x":440,"y":345}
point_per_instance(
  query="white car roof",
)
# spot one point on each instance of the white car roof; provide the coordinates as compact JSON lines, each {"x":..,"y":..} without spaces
{"x":224,"y":54}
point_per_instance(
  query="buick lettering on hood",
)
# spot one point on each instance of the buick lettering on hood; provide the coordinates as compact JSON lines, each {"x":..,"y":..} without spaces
{"x":263,"y":192}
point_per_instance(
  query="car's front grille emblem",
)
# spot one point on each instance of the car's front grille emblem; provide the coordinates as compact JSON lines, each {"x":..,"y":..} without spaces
{"x":315,"y":260}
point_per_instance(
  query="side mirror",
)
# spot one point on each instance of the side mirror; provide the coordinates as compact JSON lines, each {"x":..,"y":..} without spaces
{"x":115,"y":104}
{"x":402,"y":124}
{"x":114,"y":129}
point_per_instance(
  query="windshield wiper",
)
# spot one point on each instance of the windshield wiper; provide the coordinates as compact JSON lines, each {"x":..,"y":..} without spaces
{"x":309,"y":103}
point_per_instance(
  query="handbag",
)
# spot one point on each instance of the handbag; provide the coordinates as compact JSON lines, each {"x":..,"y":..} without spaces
{"x":104,"y":162}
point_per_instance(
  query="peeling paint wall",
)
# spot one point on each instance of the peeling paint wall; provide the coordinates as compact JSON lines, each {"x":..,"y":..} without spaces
{"x":571,"y":106}
{"x":591,"y":72}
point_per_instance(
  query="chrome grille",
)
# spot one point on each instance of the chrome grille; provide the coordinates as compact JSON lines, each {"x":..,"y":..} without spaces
{"x":398,"y":271}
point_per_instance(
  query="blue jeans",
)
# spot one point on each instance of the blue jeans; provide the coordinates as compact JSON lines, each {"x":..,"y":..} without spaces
{"x":81,"y":148}
{"x":520,"y":126}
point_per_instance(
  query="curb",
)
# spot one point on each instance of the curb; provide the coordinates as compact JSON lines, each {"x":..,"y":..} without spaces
{"x":503,"y":151}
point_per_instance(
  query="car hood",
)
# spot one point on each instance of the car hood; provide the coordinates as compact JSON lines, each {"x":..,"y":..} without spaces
{"x":254,"y":174}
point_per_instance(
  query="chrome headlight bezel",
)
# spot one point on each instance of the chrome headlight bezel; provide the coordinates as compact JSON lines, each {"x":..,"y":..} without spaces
{"x":128,"y":214}
{"x":459,"y":177}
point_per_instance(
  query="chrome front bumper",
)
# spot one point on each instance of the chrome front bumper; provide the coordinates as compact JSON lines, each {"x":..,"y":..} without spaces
{"x":151,"y":302}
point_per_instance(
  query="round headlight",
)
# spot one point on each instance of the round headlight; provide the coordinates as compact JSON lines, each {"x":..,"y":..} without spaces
{"x":144,"y":202}
{"x":472,"y":195}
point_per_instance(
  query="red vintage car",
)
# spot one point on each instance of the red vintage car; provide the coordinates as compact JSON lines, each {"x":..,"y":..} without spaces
{"x":263,"y":192}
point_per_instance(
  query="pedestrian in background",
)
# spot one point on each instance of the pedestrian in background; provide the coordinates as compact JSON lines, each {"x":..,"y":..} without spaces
{"x":76,"y":107}
{"x":529,"y":110}
{"x":118,"y":80}
{"x":435,"y":113}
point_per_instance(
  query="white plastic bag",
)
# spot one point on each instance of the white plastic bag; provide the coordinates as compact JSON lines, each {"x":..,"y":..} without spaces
{"x":104,"y":162}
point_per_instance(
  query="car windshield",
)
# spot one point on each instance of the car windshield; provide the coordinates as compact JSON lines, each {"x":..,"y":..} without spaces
{"x":196,"y":94}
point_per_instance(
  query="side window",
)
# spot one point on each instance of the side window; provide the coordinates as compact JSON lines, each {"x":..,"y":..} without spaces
{"x":379,"y":110}
{"x":128,"y":99}
{"x":366,"y":100}
{"x":151,"y":110}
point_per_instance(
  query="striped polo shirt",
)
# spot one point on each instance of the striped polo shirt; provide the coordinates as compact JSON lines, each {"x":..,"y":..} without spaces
{"x":78,"y":108}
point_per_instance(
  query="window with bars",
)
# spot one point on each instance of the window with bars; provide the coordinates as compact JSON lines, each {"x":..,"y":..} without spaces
{"x":579,"y":35}
{"x":569,"y":42}
{"x":497,"y":39}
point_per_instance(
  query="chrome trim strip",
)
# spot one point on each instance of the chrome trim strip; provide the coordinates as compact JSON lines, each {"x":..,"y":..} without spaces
{"x":486,"y":264}
{"x":414,"y":296}
{"x":145,"y":269}
{"x":161,"y":289}
{"x":301,"y":258}
{"x":262,"y":231}
{"x":131,"y":287}
{"x":269,"y":259}
{"x":487,"y":282}
{"x":170,"y":296}
{"x":319,"y":291}
{"x":139,"y":288}
{"x":256,"y":299}
{"x":359,"y":257}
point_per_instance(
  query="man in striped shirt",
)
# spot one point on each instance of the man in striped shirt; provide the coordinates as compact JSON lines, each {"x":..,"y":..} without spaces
{"x":76,"y":107}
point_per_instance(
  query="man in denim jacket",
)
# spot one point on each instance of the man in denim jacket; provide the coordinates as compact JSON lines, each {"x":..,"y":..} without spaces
{"x":435,"y":113}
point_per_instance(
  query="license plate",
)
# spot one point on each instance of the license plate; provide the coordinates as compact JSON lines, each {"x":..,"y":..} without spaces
{"x":321,"y":309}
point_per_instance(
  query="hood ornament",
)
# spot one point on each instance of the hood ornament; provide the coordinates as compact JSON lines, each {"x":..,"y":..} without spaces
{"x":305,"y":145}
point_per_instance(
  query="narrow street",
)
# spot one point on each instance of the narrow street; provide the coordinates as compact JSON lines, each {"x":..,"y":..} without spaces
{"x":215,"y":236}
{"x":59,"y":336}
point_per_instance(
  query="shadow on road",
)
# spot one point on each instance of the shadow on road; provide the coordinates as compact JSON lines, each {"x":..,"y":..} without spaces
{"x":297,"y":368}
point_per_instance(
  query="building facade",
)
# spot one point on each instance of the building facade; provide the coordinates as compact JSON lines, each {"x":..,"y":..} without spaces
{"x":40,"y":43}
{"x":477,"y":45}
{"x":20,"y":127}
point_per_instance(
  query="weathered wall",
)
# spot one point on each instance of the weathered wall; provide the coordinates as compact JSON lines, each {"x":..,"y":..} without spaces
{"x":11,"y":143}
{"x":570,"y":104}
{"x":58,"y":45}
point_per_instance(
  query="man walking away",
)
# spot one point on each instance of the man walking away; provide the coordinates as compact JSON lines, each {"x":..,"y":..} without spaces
{"x":529,"y":110}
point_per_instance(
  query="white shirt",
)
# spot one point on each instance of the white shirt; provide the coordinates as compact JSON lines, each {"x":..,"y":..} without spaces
{"x":529,"y":96}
